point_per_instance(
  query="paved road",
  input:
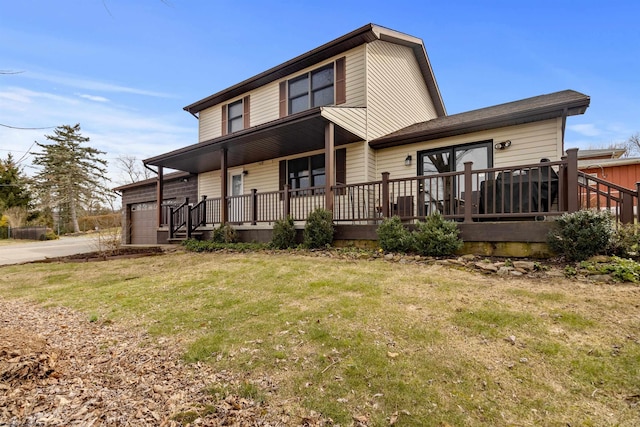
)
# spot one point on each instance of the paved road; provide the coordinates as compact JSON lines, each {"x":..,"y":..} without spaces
{"x":17,"y":253}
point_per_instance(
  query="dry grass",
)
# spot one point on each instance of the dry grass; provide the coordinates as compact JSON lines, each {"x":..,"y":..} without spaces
{"x":377,"y":342}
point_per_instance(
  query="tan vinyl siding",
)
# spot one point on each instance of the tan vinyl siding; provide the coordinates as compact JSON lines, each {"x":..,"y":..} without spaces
{"x":355,"y":163}
{"x":209,"y":184}
{"x":209,"y":123}
{"x":529,"y":143}
{"x":352,"y":119}
{"x":265,"y":100}
{"x":355,"y":77}
{"x":262,"y":176}
{"x":264,"y":104}
{"x":397,"y":95}
{"x":370,"y":155}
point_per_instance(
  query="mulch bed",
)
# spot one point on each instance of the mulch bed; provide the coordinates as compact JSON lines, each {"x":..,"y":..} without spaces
{"x":59,"y":368}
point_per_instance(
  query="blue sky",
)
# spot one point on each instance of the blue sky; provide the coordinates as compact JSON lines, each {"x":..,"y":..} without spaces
{"x":124,"y":69}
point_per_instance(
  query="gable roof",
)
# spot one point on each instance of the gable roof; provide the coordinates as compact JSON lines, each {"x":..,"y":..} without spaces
{"x":362,"y":35}
{"x":602,"y":153}
{"x":542,"y":107}
{"x":152,"y":181}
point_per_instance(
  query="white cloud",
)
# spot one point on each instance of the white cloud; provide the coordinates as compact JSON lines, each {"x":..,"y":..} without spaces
{"x":121,"y":127}
{"x":92,"y":85}
{"x":93,"y":97}
{"x":586,"y":129}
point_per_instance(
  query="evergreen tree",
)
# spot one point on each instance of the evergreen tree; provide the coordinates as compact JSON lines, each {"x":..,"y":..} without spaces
{"x":14,"y":186}
{"x":72,"y":175}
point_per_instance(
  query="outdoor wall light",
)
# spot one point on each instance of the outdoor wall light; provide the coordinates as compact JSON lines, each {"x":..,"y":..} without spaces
{"x":502,"y":145}
{"x":245,"y":172}
{"x":407,"y":160}
{"x":185,"y":179}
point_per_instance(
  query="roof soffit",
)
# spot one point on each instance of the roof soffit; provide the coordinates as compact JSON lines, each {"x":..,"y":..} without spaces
{"x":296,"y":134}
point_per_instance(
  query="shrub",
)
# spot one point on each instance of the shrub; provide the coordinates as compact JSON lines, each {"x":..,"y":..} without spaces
{"x":318,"y":231}
{"x":224,"y":234}
{"x":393,"y":236}
{"x":284,"y":234}
{"x":626,"y":241}
{"x":436,"y":236}
{"x":582,"y":234}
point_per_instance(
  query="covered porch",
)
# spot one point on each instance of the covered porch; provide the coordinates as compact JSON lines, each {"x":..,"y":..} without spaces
{"x":528,"y":195}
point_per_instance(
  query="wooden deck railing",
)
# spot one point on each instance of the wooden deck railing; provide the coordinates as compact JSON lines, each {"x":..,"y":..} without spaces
{"x":534,"y":191}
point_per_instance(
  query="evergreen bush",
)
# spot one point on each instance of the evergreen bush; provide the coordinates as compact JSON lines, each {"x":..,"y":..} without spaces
{"x":284,"y":234}
{"x":626,"y":241}
{"x":436,"y":236}
{"x":224,"y":234}
{"x":393,"y":236}
{"x":582,"y":234}
{"x":318,"y":231}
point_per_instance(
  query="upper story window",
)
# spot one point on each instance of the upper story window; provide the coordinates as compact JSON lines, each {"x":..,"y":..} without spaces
{"x":313,"y":89}
{"x":236,"y":121}
{"x":324,"y":86}
{"x":235,"y":116}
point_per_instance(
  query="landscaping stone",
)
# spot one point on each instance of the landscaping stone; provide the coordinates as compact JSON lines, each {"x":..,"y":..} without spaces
{"x":485,"y":266}
{"x":525,"y":265}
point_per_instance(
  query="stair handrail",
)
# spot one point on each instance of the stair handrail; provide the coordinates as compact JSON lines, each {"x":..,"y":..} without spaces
{"x":197,"y":216}
{"x":626,"y":199}
{"x":177,"y":218}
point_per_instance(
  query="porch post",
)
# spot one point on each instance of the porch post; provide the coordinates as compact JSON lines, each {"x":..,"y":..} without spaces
{"x":160,"y":193}
{"x":468,"y":187}
{"x":254,"y":206}
{"x":572,"y":180}
{"x":329,"y":161}
{"x":286,"y":203}
{"x":224,"y":207}
{"x":385,"y":194}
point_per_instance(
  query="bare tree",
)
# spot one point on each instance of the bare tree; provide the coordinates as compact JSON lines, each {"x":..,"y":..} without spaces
{"x":632,"y":145}
{"x":132,"y":169}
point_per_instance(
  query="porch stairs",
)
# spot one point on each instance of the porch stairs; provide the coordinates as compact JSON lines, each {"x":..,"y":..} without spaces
{"x":181,"y":236}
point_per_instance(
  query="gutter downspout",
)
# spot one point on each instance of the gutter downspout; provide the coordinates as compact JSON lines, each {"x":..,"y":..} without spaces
{"x":159,"y":191}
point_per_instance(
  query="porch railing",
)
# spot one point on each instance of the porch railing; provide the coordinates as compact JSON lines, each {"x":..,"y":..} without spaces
{"x":535,"y":191}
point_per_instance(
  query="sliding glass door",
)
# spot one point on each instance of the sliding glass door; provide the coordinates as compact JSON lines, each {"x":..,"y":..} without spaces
{"x":447,"y":194}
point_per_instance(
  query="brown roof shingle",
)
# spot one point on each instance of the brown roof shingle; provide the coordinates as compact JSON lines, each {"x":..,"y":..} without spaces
{"x":542,"y":107}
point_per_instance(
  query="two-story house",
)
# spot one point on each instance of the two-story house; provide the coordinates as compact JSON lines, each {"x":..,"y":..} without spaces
{"x":322,"y":129}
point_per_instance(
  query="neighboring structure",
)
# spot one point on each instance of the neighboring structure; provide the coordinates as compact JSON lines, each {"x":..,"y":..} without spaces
{"x":344,"y":113}
{"x":610,"y":165}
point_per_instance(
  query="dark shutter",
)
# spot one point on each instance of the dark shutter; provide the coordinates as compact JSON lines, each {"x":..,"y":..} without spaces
{"x":245,"y":113}
{"x":283,"y":99}
{"x":341,"y":84}
{"x":283,"y":176}
{"x":341,"y":168}
{"x":224,"y":119}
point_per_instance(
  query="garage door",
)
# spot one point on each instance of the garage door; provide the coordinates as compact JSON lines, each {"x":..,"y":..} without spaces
{"x":143,"y":223}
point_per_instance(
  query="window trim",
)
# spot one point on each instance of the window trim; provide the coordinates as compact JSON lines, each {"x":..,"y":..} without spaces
{"x":451,"y":150}
{"x":227,"y":119}
{"x":306,"y":191}
{"x":340,"y":168}
{"x":237,"y":117}
{"x":310,"y":89}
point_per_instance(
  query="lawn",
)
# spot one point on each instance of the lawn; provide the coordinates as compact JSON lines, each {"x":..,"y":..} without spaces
{"x":374,"y":341}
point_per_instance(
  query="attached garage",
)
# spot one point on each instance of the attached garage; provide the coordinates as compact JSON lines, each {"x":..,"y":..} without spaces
{"x":140,"y":206}
{"x":143,"y":223}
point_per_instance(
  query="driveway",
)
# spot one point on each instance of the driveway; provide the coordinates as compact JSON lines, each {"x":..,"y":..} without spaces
{"x":18,"y":253}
